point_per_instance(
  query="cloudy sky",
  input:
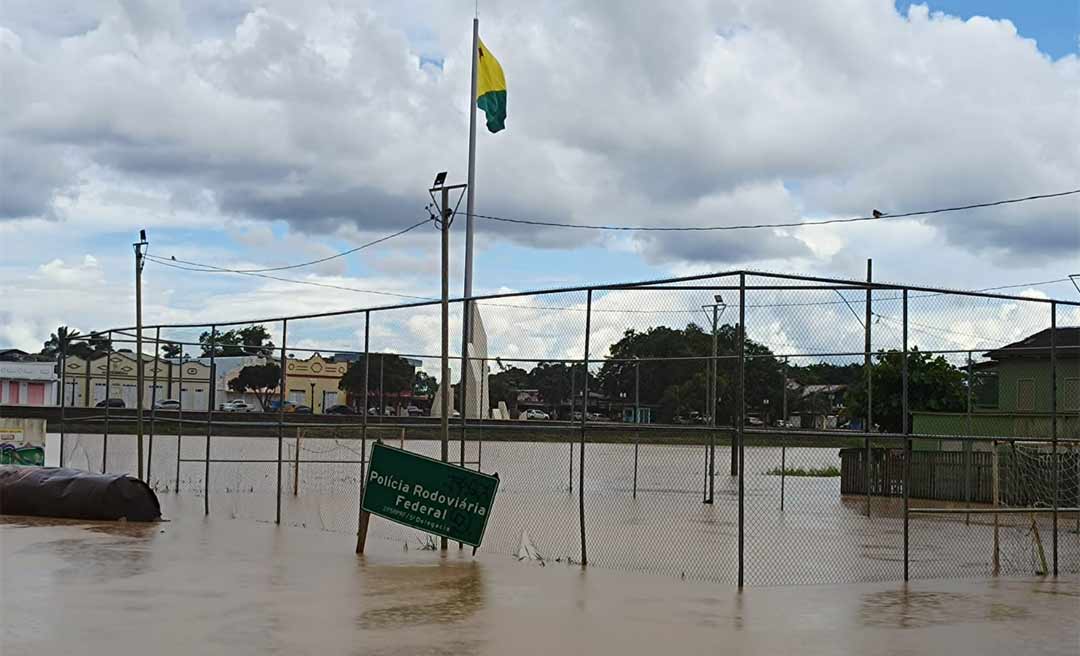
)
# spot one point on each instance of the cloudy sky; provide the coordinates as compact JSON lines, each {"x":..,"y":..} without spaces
{"x":251,"y":135}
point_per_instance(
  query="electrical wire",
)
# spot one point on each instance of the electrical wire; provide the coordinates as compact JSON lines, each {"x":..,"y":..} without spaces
{"x":169,"y":263}
{"x":754,"y":226}
{"x":311,"y":262}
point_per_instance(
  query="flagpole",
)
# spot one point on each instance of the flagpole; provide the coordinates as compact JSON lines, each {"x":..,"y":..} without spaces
{"x":466,"y":314}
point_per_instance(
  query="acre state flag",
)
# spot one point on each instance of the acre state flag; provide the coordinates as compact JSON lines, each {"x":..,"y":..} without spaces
{"x":490,"y":88}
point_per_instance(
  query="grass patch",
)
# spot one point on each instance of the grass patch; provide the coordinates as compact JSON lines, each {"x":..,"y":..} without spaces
{"x":799,"y":471}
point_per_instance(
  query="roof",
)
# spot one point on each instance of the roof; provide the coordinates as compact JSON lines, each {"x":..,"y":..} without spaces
{"x":1066,"y":341}
{"x":807,"y":390}
{"x":13,"y":355}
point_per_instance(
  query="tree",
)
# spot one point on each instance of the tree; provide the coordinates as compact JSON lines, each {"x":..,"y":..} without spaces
{"x":933,"y":385}
{"x":552,"y":380}
{"x":397,"y":376}
{"x":673,"y":370}
{"x":504,"y":385}
{"x":253,"y":340}
{"x":171,"y":350}
{"x":74,"y":344}
{"x":424,"y":384}
{"x":262,"y":380}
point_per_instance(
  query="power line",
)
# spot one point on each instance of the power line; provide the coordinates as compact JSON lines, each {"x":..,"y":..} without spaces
{"x":294,"y":281}
{"x":754,"y":226}
{"x":309,"y":263}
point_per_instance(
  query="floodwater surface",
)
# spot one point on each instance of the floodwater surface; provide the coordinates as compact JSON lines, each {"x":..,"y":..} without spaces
{"x":217,"y":586}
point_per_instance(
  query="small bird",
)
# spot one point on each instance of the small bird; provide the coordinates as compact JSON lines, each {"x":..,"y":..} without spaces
{"x":878,"y":214}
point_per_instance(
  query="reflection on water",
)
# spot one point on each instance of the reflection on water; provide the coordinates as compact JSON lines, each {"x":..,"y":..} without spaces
{"x":423,"y":595}
{"x":225,"y":587}
{"x":905,"y":608}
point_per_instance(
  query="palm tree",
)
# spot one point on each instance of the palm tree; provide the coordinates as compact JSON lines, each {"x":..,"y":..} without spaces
{"x":60,"y":342}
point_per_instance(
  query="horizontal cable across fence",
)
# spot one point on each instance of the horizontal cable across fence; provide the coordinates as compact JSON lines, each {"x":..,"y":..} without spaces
{"x":748,"y":428}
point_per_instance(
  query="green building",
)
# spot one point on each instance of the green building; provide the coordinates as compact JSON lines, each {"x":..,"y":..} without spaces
{"x":1011,"y":392}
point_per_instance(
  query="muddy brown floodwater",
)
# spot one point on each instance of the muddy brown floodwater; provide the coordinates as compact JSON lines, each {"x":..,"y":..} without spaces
{"x":220,"y":586}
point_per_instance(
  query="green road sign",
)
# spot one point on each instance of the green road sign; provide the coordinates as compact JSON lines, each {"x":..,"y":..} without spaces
{"x":429,"y":495}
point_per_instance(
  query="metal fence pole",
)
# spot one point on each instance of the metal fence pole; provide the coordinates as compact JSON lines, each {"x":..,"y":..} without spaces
{"x":967,"y":443}
{"x":741,"y":430}
{"x":868,"y":367}
{"x":153,"y":404}
{"x":907,"y":440}
{"x":361,"y":533}
{"x":783,"y":445}
{"x":712,"y":405}
{"x":63,"y":395}
{"x":209,"y":419}
{"x":584,"y":419}
{"x":281,"y":416}
{"x":179,"y":420}
{"x":1054,"y":426}
{"x":108,"y":389}
{"x":637,"y":419}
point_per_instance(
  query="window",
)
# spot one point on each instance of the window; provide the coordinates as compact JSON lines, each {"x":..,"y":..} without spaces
{"x":984,"y":389}
{"x":1025,"y":394}
{"x":1070,"y":394}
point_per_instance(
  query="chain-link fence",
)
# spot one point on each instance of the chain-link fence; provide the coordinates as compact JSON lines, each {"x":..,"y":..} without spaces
{"x":747,"y":428}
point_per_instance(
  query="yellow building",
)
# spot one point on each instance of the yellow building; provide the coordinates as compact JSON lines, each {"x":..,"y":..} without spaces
{"x":86,"y":381}
{"x":314,"y":382}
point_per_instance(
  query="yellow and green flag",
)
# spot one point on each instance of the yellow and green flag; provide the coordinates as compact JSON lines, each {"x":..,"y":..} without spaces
{"x":490,"y":88}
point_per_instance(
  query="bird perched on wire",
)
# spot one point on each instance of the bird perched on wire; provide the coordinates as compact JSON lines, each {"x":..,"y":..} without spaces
{"x":878,"y":214}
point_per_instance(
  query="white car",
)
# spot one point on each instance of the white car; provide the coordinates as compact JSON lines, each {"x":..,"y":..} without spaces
{"x":536,"y":414}
{"x":237,"y":406}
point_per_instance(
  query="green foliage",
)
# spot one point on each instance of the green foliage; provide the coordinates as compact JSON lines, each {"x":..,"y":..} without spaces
{"x":170,"y":350}
{"x":74,"y":344}
{"x":677,"y":385}
{"x":830,"y":470}
{"x":389,"y":372}
{"x":261,"y":380}
{"x":933,"y":385}
{"x":253,"y":340}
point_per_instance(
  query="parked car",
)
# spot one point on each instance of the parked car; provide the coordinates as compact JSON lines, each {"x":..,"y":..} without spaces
{"x":239,"y":405}
{"x":414,"y":411}
{"x":591,"y":416}
{"x":340,"y":410}
{"x":533,"y":413}
{"x":754,"y":421}
{"x":167,"y":404}
{"x":111,"y":403}
{"x":276,"y":405}
{"x":300,"y":409}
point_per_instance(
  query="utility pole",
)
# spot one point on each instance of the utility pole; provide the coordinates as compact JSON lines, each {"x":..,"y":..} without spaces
{"x":713,"y":375}
{"x":446,"y":217}
{"x":140,"y":250}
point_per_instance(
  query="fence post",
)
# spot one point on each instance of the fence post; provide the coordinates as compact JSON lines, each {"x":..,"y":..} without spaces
{"x":783,"y":445}
{"x":210,"y":399}
{"x":907,"y":440}
{"x":63,"y":395}
{"x":281,"y":416}
{"x":868,"y":368}
{"x":179,"y":419}
{"x":361,"y":528}
{"x":637,"y":418}
{"x":153,"y":403}
{"x":712,"y":376}
{"x":1054,"y":425}
{"x":108,"y":389}
{"x":584,"y":418}
{"x":968,"y":443}
{"x":741,"y":430}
